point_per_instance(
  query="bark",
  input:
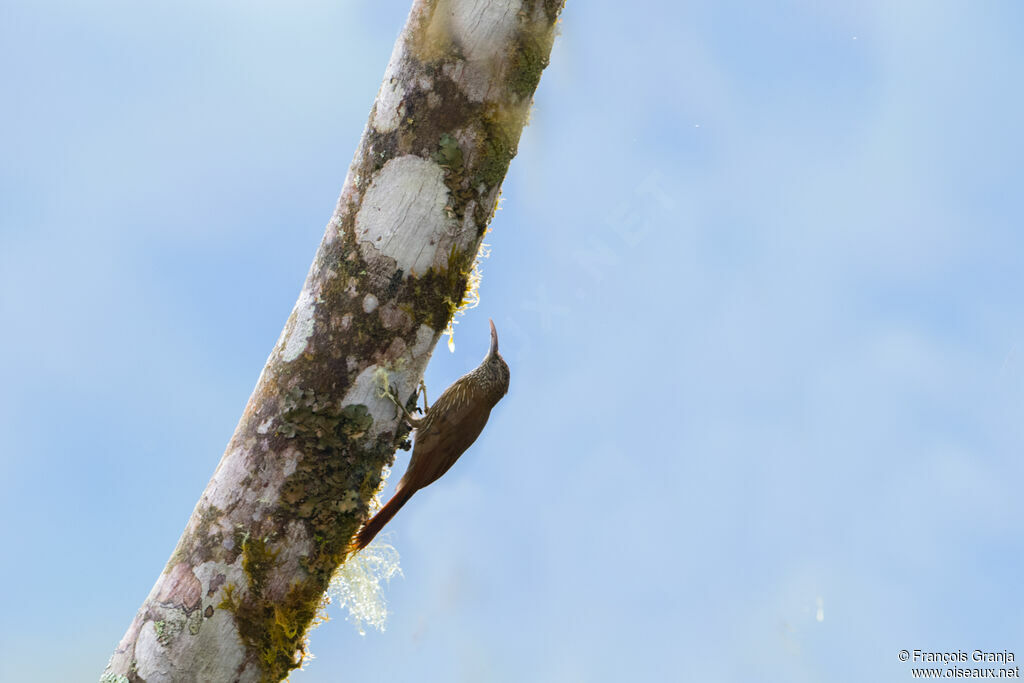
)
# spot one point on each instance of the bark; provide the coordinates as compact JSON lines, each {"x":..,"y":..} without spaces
{"x":247,"y":579}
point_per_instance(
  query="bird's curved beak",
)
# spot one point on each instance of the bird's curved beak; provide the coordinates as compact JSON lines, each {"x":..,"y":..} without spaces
{"x":494,"y":339}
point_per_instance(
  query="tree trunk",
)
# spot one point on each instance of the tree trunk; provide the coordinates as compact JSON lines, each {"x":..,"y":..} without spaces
{"x":248,"y":575}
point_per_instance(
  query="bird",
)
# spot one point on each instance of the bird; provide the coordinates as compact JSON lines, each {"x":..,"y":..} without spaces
{"x":444,"y":432}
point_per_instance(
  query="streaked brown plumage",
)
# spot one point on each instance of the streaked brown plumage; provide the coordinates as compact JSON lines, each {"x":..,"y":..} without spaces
{"x":444,"y":433}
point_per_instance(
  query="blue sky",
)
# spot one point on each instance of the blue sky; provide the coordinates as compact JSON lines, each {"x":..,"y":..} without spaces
{"x":756,"y":273}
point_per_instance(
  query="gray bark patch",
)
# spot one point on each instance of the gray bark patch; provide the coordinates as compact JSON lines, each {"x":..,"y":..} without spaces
{"x":403,"y":216}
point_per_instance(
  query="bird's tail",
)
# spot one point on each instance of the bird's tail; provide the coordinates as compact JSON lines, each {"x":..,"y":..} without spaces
{"x":383,"y":516}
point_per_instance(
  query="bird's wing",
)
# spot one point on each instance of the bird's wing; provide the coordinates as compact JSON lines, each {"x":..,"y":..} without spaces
{"x":450,"y":427}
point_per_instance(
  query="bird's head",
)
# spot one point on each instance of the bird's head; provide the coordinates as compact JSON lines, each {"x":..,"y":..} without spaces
{"x":496,"y":364}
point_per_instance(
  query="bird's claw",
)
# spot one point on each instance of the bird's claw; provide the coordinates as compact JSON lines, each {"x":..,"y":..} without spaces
{"x":390,"y":392}
{"x":422,"y":388}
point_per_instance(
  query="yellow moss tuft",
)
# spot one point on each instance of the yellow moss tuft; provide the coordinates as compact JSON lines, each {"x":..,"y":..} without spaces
{"x":471,"y":297}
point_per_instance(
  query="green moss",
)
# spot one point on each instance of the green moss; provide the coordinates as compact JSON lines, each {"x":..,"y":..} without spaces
{"x":273,"y":629}
{"x":553,"y":8}
{"x":229,"y":602}
{"x":434,"y":297}
{"x":528,"y":60}
{"x":460,"y":266}
{"x":276,"y":629}
{"x":257,"y":560}
{"x":498,"y":143}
